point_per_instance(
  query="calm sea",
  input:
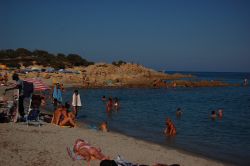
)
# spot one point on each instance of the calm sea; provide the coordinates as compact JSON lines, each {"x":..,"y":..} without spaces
{"x":143,"y":113}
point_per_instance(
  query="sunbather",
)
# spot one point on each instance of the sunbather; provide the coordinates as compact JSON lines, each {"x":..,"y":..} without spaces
{"x":86,"y":151}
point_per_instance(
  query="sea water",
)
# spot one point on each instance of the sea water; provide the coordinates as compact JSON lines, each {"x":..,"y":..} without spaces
{"x":143,"y":112}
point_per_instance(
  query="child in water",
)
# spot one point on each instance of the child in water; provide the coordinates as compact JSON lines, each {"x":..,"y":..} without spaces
{"x":104,"y":127}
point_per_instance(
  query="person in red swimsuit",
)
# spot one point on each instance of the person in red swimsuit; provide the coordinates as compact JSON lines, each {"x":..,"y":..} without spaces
{"x":170,"y":129}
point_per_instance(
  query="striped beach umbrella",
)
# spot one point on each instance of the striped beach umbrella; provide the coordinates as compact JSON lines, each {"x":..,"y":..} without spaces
{"x":39,"y":85}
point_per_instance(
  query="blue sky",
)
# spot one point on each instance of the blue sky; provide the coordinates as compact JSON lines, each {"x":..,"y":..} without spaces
{"x":212,"y":35}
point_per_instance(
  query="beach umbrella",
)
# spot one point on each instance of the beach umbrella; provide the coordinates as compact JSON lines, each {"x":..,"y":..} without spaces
{"x":39,"y":85}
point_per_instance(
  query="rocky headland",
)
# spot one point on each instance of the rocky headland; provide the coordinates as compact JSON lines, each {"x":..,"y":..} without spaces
{"x":102,"y":75}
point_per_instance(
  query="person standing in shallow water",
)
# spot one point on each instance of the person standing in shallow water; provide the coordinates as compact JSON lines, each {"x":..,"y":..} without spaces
{"x":213,"y":115}
{"x":220,"y":113}
{"x":76,"y":102}
{"x":109,"y":105}
{"x":170,"y":129}
{"x":178,"y":112}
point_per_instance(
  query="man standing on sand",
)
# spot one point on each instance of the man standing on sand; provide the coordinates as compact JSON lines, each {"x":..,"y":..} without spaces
{"x":19,"y":86}
{"x":76,"y":102}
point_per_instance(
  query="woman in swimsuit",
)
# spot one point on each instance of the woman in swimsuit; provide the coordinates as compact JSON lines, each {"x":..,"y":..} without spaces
{"x":170,"y":129}
{"x":63,"y":117}
{"x":87,"y":151}
{"x":109,"y":105}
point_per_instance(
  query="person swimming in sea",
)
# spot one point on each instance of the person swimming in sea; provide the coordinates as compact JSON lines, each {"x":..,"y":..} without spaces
{"x":178,"y":112}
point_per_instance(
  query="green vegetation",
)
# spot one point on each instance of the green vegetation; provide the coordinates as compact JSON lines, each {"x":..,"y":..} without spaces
{"x":119,"y":63}
{"x":13,"y":58}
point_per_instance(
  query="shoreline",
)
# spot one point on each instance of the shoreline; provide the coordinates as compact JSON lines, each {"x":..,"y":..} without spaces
{"x":165,"y":146}
{"x":112,"y":144}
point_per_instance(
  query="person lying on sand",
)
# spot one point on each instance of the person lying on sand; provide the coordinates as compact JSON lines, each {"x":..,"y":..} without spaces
{"x":170,"y":129}
{"x":88,"y":152}
{"x":104,"y":127}
{"x":63,"y":116}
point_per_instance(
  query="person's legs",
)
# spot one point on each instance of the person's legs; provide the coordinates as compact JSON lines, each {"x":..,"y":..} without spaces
{"x":55,"y":104}
{"x":97,"y":153}
{"x":67,"y":120}
{"x":20,"y":106}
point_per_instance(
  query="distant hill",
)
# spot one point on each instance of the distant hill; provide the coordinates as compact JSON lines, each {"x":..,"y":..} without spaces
{"x":25,"y":57}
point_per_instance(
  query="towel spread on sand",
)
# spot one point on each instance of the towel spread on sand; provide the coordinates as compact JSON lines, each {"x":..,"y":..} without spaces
{"x":73,"y":155}
{"x":76,"y":100}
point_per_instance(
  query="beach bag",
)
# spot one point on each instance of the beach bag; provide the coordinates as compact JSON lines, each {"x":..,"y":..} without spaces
{"x":28,"y":88}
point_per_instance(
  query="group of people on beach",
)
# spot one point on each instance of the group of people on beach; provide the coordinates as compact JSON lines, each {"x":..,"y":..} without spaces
{"x":63,"y":115}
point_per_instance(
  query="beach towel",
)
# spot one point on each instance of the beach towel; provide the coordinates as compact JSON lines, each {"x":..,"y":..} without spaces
{"x":76,"y":100}
{"x":78,"y":144}
{"x":73,"y":155}
{"x":57,"y":94}
{"x":122,"y":162}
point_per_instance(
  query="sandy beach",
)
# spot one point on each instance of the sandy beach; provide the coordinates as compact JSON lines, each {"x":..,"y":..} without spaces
{"x":46,"y":145}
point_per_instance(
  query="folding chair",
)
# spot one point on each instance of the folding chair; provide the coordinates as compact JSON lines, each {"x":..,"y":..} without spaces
{"x":34,"y":110}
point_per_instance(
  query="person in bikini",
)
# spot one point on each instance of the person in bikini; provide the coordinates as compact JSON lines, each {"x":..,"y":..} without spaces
{"x":109,"y":105}
{"x":170,"y":129}
{"x":62,"y":116}
{"x":88,"y":152}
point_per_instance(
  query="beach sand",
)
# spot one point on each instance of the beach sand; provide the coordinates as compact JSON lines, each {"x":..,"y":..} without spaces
{"x":46,"y":145}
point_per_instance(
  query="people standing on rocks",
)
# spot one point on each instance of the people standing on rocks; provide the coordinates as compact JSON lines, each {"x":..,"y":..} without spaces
{"x":76,"y":102}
